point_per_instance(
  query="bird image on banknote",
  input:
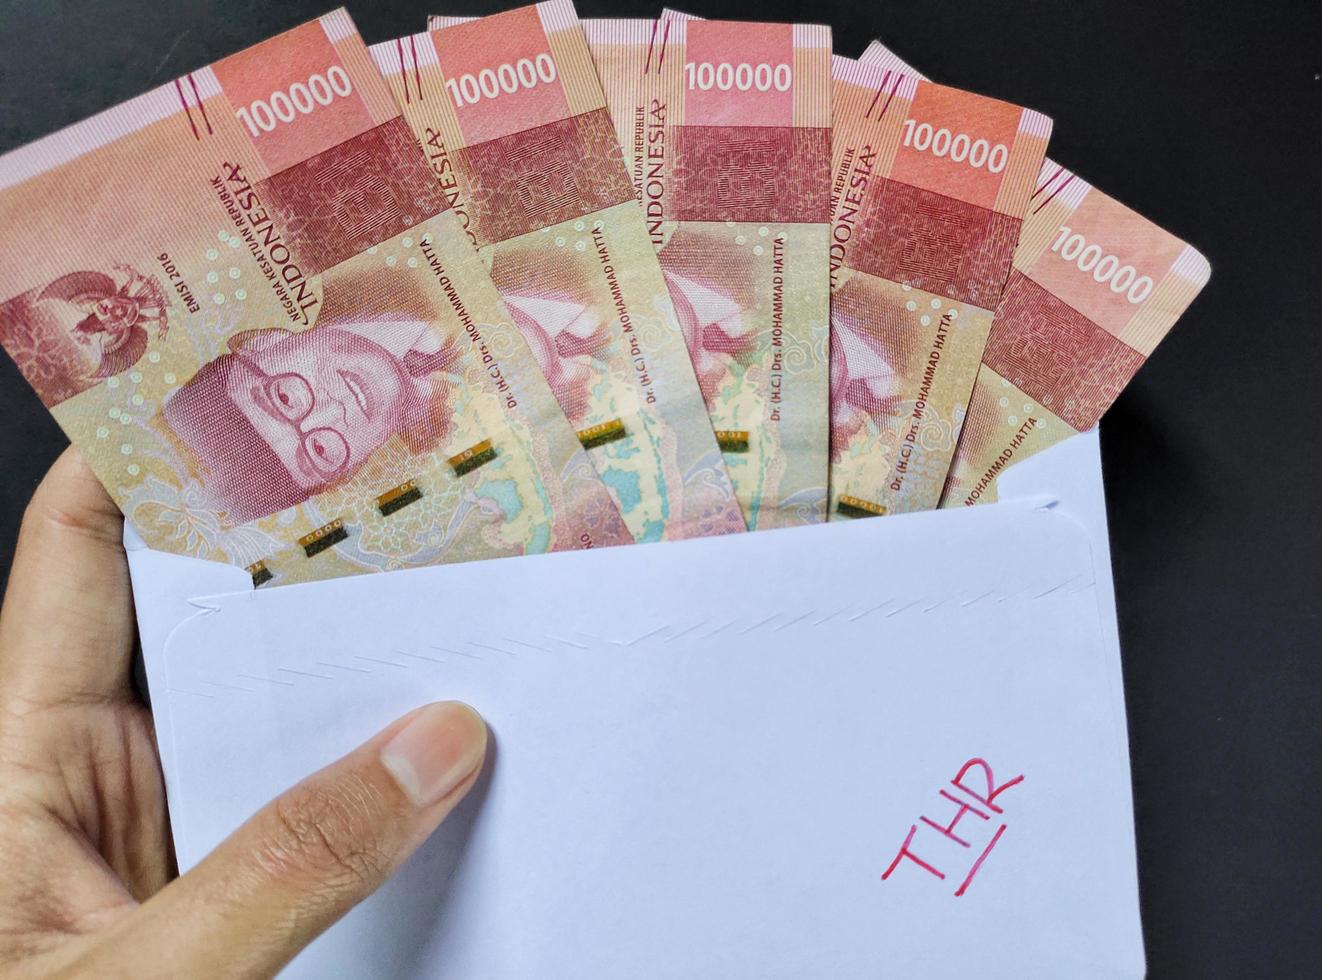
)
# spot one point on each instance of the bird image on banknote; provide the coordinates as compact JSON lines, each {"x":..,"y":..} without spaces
{"x":83,"y":327}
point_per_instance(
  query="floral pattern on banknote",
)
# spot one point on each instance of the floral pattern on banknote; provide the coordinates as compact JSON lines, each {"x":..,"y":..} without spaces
{"x":934,"y":242}
{"x":751,"y":173}
{"x":542,"y":176}
{"x":1077,"y":367}
{"x":341,"y":201}
{"x":193,"y":526}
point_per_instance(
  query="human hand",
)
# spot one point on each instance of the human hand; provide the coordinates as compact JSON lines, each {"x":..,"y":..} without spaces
{"x":84,"y":838}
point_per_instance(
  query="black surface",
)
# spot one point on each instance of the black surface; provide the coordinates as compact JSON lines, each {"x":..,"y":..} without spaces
{"x":1203,"y":116}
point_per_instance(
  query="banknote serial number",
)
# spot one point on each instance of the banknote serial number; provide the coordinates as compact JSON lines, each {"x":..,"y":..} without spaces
{"x":1104,"y":267}
{"x":957,"y":147}
{"x":299,"y":99}
{"x":177,"y":282}
{"x":742,"y":77}
{"x":506,"y":79}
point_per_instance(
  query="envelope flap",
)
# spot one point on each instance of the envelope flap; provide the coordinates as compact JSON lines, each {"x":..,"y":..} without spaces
{"x":1068,"y":475}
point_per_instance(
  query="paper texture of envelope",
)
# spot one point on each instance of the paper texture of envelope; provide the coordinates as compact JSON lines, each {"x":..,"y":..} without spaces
{"x":893,"y":747}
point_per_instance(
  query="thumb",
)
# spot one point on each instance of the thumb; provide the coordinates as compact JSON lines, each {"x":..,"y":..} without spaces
{"x":307,"y":858}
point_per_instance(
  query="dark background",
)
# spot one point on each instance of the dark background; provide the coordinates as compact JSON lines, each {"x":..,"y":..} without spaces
{"x":1204,"y":117}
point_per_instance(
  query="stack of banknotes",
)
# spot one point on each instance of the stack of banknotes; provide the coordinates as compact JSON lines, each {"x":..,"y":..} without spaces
{"x":525,"y":283}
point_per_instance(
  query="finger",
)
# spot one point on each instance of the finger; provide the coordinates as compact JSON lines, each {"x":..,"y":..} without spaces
{"x":307,"y":858}
{"x":66,"y":629}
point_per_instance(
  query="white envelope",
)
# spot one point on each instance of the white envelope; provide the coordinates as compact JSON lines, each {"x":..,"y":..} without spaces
{"x":888,"y":747}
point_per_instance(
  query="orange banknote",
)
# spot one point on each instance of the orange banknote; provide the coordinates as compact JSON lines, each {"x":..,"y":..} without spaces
{"x":510,"y":113}
{"x":1094,"y":288}
{"x":929,"y":188}
{"x":725,"y":127}
{"x":247,"y":301}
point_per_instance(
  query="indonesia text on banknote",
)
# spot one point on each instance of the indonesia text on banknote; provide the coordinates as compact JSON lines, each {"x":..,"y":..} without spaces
{"x":246,"y":300}
{"x":929,"y":187}
{"x":1094,"y":288}
{"x":726,"y":130}
{"x":510,"y":113}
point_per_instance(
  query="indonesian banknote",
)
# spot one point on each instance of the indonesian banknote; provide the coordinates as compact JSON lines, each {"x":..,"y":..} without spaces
{"x":247,"y":301}
{"x":929,"y":187}
{"x":1094,"y":288}
{"x":511,"y":115}
{"x":726,"y":131}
